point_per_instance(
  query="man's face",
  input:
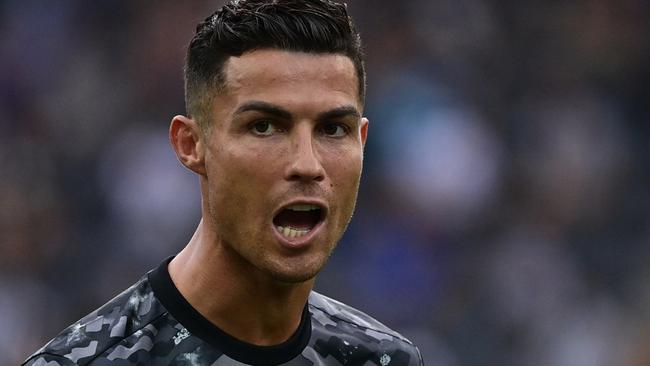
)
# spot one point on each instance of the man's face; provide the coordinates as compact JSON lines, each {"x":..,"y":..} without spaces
{"x":283,"y":159}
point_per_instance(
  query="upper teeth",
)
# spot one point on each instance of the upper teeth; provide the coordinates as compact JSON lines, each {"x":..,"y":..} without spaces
{"x":301,"y":207}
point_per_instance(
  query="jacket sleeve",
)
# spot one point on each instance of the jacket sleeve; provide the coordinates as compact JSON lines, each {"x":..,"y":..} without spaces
{"x":46,"y":359}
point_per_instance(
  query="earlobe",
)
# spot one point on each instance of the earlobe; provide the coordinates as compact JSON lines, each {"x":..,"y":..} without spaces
{"x":185,"y":138}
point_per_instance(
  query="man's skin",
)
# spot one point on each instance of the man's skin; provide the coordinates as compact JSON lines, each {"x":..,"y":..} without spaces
{"x":286,"y":129}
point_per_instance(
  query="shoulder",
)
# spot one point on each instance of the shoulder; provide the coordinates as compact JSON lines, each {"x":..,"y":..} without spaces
{"x":338,"y":326}
{"x":128,"y":313}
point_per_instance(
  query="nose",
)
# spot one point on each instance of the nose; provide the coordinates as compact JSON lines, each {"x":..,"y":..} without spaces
{"x":304,"y":162}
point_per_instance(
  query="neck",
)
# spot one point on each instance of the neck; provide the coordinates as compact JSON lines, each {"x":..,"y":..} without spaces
{"x":243,"y":301}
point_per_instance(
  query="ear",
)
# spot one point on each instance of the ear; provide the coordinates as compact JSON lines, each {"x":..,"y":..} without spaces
{"x":186,"y":138}
{"x":364,"y":130}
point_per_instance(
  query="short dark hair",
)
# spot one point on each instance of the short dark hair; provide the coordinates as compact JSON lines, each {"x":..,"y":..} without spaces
{"x":315,"y":26}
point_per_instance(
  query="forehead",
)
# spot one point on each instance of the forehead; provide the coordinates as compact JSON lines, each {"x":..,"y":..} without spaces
{"x":273,"y":73}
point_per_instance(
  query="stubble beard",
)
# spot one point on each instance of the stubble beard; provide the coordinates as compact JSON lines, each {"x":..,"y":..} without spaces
{"x":253,"y":249}
{"x":259,"y":256}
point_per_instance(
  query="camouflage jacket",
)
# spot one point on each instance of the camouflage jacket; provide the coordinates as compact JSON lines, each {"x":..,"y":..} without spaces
{"x":152,"y":324}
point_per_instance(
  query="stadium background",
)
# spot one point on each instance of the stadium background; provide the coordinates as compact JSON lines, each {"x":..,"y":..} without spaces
{"x":504,"y":217}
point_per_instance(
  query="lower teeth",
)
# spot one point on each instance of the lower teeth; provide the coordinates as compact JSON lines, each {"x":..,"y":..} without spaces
{"x":291,"y":232}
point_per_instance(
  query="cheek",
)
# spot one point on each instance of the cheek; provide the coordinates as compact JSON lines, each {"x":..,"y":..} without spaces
{"x":344,"y":166}
{"x":345,"y":175}
{"x":240,"y":177}
{"x":226,"y":184}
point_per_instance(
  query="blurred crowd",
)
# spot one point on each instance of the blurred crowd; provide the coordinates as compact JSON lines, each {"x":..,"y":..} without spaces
{"x":504,"y":213}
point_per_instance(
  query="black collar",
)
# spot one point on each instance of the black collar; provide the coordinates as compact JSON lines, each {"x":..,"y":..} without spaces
{"x":199,"y":326}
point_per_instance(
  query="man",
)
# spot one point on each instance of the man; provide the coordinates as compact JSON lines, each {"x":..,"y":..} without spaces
{"x":275,"y":133}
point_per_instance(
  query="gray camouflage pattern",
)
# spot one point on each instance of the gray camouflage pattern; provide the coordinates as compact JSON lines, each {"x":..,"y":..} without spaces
{"x":135,"y":329}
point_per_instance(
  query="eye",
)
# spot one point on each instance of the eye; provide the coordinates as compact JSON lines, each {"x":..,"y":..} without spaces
{"x":263,"y":128}
{"x":335,"y":129}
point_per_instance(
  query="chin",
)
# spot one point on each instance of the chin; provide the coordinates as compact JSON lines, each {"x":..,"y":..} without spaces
{"x":294,"y":278}
{"x":298,"y":273}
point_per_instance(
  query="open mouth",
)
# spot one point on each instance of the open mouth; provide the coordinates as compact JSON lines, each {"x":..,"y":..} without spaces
{"x":298,"y":220}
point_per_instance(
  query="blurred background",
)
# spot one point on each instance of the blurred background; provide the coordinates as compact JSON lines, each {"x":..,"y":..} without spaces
{"x":504,"y":215}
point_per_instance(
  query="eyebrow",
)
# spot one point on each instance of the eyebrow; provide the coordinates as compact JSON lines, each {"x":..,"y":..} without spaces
{"x":339,"y":112}
{"x":259,"y":106}
{"x":265,"y":107}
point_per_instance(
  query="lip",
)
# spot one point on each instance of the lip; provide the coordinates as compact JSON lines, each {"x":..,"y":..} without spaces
{"x":303,"y":241}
